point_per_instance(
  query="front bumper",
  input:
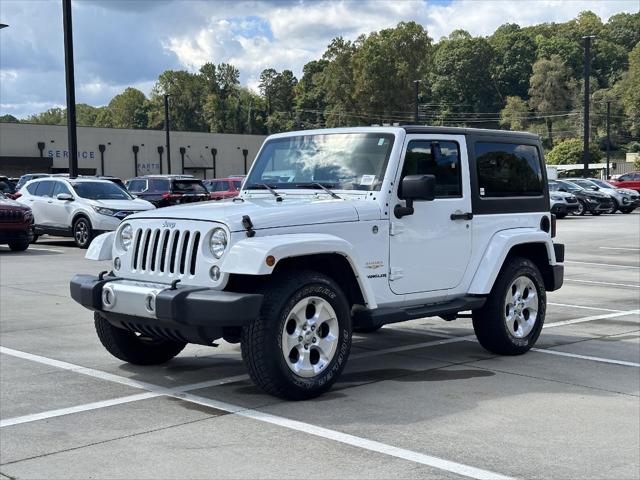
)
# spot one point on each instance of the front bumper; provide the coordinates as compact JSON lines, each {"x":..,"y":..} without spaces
{"x":563,"y":208}
{"x":195,"y":314}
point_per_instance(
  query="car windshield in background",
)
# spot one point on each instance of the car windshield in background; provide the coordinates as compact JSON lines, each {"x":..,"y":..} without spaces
{"x":346,"y":161}
{"x":100,"y":191}
{"x":570,"y":187}
{"x":602,"y":183}
{"x":188,"y":187}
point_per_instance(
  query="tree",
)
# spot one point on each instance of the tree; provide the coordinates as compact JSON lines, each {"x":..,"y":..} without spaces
{"x":53,"y":116}
{"x":128,"y":109}
{"x":85,"y":115}
{"x":630,"y":91}
{"x":187,"y":91}
{"x":462,"y":79}
{"x":310,"y":94}
{"x":8,"y":119}
{"x":515,"y":53}
{"x":279,"y":91}
{"x":569,"y":152}
{"x":338,"y":83}
{"x":103,"y":118}
{"x":514,"y":114}
{"x":550,"y":90}
{"x":623,"y":29}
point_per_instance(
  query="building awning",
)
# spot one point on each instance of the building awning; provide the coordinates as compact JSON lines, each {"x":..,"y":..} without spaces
{"x":33,"y":164}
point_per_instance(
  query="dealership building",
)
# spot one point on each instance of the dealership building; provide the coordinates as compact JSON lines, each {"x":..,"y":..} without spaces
{"x":124,"y":153}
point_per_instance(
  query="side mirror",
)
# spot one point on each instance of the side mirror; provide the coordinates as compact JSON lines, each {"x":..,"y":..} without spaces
{"x":415,"y":187}
{"x":65,"y":197}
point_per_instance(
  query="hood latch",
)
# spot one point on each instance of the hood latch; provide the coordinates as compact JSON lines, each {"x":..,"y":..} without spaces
{"x":248,"y":226}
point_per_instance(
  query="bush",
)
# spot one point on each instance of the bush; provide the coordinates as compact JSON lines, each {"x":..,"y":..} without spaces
{"x":570,"y":151}
{"x":634,"y":147}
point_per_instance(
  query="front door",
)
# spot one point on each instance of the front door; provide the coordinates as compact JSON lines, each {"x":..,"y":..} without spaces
{"x":430,"y":249}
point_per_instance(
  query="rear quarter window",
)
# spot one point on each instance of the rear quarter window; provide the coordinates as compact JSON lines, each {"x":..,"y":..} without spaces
{"x":508,"y":170}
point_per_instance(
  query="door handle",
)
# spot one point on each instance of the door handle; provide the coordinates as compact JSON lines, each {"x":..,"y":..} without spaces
{"x":462,"y":216}
{"x":49,"y":201}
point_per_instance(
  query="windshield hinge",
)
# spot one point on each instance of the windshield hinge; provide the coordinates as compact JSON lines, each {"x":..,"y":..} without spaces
{"x":396,"y":228}
{"x":395,"y":274}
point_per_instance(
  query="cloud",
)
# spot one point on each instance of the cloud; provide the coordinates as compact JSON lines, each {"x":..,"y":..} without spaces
{"x":120,"y":43}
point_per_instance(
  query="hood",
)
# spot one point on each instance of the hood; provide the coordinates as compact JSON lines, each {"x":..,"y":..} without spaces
{"x":267,"y":213}
{"x":8,"y":204}
{"x":595,"y":194}
{"x":136,"y":204}
{"x":563,"y":195}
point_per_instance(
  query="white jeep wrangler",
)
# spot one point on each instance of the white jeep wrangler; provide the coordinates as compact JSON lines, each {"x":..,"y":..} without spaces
{"x":337,"y":231}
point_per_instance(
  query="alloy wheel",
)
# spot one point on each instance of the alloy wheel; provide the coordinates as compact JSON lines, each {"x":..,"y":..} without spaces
{"x":521,"y":307}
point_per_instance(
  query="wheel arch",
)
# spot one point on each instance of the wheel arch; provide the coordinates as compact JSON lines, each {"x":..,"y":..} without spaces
{"x":532,"y":244}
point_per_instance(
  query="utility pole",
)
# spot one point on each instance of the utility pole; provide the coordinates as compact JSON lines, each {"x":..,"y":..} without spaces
{"x":416,"y":90}
{"x":166,"y":132}
{"x":587,"y":73}
{"x":71,"y":89}
{"x":608,"y":134}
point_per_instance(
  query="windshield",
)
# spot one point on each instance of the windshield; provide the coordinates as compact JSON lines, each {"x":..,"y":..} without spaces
{"x":347,"y":161}
{"x":583,"y":183}
{"x":602,"y":183}
{"x":100,"y":191}
{"x":188,"y":186}
{"x":570,"y":187}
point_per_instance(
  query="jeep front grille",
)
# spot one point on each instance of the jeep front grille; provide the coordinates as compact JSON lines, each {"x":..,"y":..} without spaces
{"x":165,"y":251}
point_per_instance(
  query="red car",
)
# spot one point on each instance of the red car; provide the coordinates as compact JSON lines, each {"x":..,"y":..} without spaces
{"x":628,"y":180}
{"x":221,"y":188}
{"x":16,"y":224}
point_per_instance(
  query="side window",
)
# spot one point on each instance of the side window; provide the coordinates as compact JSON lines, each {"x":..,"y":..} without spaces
{"x":137,"y":186}
{"x":508,"y":170}
{"x":224,"y":186}
{"x":60,"y":188}
{"x":32,"y":188}
{"x":624,"y":178}
{"x":159,"y":185}
{"x":45,"y":188}
{"x":439,"y":158}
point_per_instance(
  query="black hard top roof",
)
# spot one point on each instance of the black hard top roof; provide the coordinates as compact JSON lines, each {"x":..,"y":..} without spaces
{"x":468,"y":131}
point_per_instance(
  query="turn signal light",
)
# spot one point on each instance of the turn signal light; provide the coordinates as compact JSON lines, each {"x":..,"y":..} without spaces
{"x":270,"y":260}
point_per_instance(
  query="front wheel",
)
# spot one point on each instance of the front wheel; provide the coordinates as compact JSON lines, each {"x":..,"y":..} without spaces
{"x":134,"y":347}
{"x":19,"y":246}
{"x":511,"y":320}
{"x":627,"y":210}
{"x":581,"y":210}
{"x":614,"y":207}
{"x":82,"y":232}
{"x":299,"y":345}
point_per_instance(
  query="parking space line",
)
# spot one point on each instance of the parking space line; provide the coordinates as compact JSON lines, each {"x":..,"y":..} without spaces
{"x":602,"y":264}
{"x":321,"y":432}
{"x":632,"y":249}
{"x":583,"y":307}
{"x":601,"y":283}
{"x":586,"y":357}
{"x":591,"y":319}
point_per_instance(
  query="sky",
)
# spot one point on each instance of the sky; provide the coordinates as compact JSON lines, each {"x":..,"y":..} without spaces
{"x":122,"y":43}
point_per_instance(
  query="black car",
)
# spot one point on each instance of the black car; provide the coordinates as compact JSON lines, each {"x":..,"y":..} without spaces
{"x":590,"y":201}
{"x":165,"y":190}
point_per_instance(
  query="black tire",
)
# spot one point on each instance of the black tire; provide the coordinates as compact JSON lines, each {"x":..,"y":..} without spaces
{"x":581,"y":210}
{"x":261,"y":342}
{"x":560,"y":216}
{"x":595,"y":213}
{"x":367,"y":329}
{"x":626,"y":210}
{"x":19,"y":246}
{"x":489,"y":322}
{"x":614,"y":208}
{"x":131,"y":348}
{"x":82,"y":232}
{"x":35,"y":238}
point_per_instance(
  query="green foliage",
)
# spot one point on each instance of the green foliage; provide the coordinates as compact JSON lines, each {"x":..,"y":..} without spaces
{"x":8,"y":119}
{"x":569,"y":152}
{"x":634,"y":147}
{"x":128,"y":109}
{"x":515,"y":54}
{"x":514,"y":114}
{"x":53,"y":116}
{"x":630,"y":90}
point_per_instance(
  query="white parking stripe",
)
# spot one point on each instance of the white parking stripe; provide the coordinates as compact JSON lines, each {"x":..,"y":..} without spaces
{"x":621,"y":248}
{"x":590,"y":319}
{"x":586,"y":357}
{"x":584,"y":307}
{"x":45,"y":250}
{"x":321,"y":432}
{"x":601,"y":283}
{"x":601,"y":264}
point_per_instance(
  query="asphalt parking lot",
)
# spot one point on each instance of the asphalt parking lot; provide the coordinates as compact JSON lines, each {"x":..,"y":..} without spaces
{"x":417,"y":400}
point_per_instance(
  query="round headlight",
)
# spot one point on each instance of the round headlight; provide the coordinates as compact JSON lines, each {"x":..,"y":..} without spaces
{"x":126,"y":235}
{"x":218,"y":242}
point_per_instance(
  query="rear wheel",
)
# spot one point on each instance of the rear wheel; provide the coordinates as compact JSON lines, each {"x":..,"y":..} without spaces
{"x":581,"y":210}
{"x":299,"y":345}
{"x":82,"y":232}
{"x":135,"y":348}
{"x":561,"y":215}
{"x":626,"y":210}
{"x":512,"y":318}
{"x":614,"y":207}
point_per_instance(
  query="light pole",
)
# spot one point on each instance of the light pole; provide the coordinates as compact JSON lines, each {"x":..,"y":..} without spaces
{"x":166,"y":132}
{"x":214,"y":152}
{"x":416,"y":90}
{"x":587,"y":73}
{"x":608,"y":134}
{"x":71,"y":89}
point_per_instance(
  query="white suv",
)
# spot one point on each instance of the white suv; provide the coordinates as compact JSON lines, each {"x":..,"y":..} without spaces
{"x":81,"y":208}
{"x":337,"y":231}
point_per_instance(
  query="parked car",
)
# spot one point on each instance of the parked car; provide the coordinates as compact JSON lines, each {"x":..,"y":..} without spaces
{"x":29,"y":176}
{"x":589,"y":201}
{"x":166,"y":190}
{"x":16,"y":224}
{"x":628,"y":180}
{"x":624,"y":199}
{"x":562,"y":203}
{"x":355,"y":235}
{"x":80,"y":208}
{"x":7,"y":186}
{"x":221,"y":188}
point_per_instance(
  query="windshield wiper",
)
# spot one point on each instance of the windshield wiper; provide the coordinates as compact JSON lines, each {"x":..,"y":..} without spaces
{"x":318,"y":185}
{"x":266,"y":187}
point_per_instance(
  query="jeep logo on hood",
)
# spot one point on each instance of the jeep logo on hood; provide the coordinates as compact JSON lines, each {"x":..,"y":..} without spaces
{"x":166,"y":224}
